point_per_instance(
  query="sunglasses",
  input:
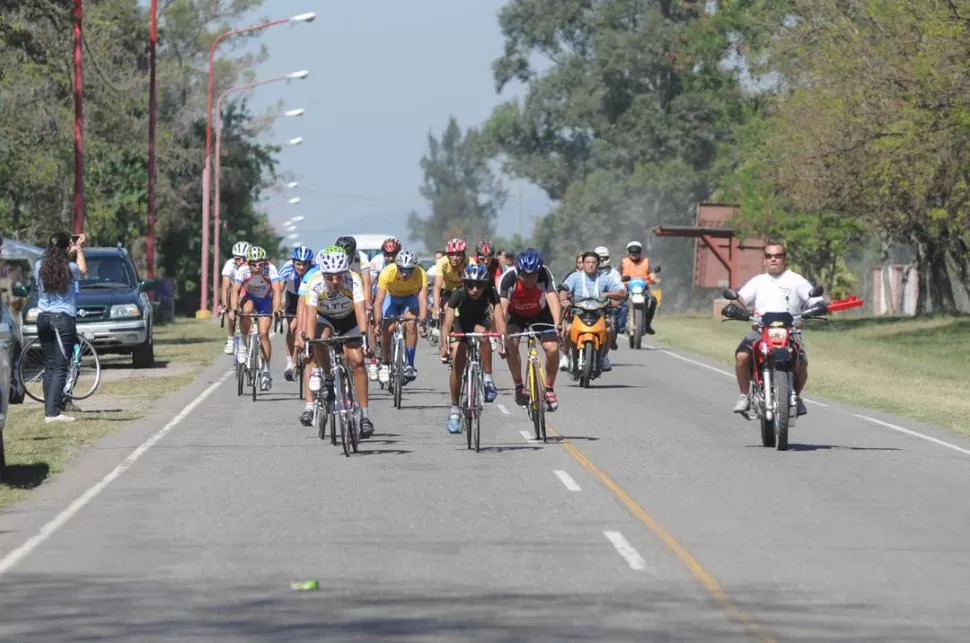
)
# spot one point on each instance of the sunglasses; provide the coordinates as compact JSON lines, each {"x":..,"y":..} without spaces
{"x":473,"y":285}
{"x":405,"y":272}
{"x":777,"y":255}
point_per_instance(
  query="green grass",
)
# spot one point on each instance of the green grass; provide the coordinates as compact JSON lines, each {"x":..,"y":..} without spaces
{"x":916,"y":368}
{"x":37,"y":450}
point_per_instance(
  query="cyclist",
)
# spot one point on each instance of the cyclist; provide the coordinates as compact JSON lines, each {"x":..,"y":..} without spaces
{"x":485,"y":255}
{"x":334,"y":306}
{"x":402,"y":288}
{"x":291,"y":274}
{"x":448,"y":272}
{"x":256,"y":290}
{"x":593,"y":283}
{"x":370,"y":272}
{"x":528,"y":295}
{"x":475,"y":305}
{"x":240,"y":254}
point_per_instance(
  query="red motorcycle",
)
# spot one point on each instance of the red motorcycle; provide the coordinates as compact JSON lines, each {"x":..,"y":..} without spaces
{"x":775,"y":357}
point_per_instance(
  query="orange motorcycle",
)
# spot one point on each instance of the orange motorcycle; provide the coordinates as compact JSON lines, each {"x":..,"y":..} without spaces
{"x":590,"y":334}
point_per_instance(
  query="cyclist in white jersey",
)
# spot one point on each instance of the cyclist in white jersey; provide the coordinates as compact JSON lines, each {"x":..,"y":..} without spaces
{"x":257,"y":289}
{"x":369,"y":274}
{"x":291,"y":274}
{"x":240,"y":254}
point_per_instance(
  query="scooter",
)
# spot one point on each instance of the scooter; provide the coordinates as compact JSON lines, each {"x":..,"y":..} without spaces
{"x":590,"y":335}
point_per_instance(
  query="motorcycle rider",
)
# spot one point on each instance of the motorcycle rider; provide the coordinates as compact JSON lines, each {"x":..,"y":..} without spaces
{"x":616,"y":306}
{"x":593,"y":282}
{"x":776,"y":290}
{"x":634,"y":265}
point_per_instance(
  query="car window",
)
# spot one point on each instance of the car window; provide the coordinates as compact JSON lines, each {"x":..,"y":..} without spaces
{"x":108,"y":272}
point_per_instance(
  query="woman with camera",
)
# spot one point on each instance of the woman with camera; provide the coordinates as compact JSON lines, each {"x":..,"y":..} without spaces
{"x":58,"y":275}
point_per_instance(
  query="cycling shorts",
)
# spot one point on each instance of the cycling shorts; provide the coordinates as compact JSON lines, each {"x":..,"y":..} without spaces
{"x":394,"y":306}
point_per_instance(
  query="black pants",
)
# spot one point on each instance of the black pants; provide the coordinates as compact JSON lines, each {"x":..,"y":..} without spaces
{"x":55,"y":362}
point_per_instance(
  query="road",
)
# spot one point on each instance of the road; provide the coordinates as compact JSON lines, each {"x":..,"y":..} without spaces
{"x":656,"y":517}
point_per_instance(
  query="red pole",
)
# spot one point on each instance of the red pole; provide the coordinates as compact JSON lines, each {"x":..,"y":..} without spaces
{"x":216,"y":272}
{"x":78,"y":120}
{"x":152,"y":116}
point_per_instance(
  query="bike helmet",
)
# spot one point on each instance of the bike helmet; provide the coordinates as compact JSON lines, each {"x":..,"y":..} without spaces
{"x":241,"y":249}
{"x":634,"y":244}
{"x":349,"y":244}
{"x":476,"y":272}
{"x":301,"y":253}
{"x":406,"y":260}
{"x":257,"y":254}
{"x":455,"y":246}
{"x":391,"y":246}
{"x":529,"y":260}
{"x":485,"y":249}
{"x":333,"y":260}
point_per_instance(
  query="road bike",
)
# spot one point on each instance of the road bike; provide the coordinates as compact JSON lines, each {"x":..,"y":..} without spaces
{"x":336,"y":404}
{"x":472,"y":397}
{"x":249,"y":364}
{"x":536,"y":377}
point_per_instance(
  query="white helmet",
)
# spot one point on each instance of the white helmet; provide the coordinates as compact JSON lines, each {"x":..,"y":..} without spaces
{"x":406,"y":259}
{"x":604,"y":255}
{"x":241,"y":249}
{"x":257,"y":254}
{"x":333,"y":262}
{"x":634,"y":244}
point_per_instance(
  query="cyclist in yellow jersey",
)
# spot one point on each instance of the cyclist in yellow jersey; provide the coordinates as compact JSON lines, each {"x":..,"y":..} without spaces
{"x":448,"y":274}
{"x":402,"y":288}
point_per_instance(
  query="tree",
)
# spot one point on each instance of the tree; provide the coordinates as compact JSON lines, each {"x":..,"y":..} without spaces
{"x":461,"y":189}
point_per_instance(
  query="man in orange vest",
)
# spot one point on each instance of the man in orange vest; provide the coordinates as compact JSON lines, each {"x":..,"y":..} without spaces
{"x":636,"y":265}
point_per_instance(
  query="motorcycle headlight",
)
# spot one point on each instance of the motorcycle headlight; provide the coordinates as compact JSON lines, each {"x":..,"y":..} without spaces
{"x":31,"y":316}
{"x":777,"y":334}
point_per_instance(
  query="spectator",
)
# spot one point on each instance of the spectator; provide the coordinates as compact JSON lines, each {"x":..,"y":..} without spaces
{"x":58,"y":274}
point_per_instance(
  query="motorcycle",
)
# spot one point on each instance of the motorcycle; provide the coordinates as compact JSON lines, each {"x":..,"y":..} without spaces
{"x":590,"y":335}
{"x":640,"y":296}
{"x":775,"y":358}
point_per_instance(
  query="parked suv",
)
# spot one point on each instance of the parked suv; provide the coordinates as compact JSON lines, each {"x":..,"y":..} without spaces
{"x":113,"y":309}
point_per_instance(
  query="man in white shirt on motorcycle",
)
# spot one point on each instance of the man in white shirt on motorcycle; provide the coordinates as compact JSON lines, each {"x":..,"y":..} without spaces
{"x":776,"y":290}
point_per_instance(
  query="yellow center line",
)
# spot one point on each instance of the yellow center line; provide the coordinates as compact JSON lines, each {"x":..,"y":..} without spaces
{"x":746,"y":621}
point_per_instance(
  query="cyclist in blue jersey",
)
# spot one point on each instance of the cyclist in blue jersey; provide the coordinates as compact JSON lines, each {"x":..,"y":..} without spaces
{"x":292,"y":274}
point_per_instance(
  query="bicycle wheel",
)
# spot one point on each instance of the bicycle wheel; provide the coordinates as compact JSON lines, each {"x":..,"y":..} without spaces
{"x":320,"y":417}
{"x":350,"y":403}
{"x":398,"y":375}
{"x":300,"y":365}
{"x":535,"y":398}
{"x":343,"y":414}
{"x":88,"y":371}
{"x":471,"y":391}
{"x":541,"y":406}
{"x":240,"y":379}
{"x":31,"y":370}
{"x":479,"y":400}
{"x":254,"y":358}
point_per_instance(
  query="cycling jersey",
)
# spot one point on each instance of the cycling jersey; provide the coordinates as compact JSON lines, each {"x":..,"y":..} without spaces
{"x":525,"y":301}
{"x":307,"y":278}
{"x":258,"y":285}
{"x":335,"y":303}
{"x":230,"y":268}
{"x":450,"y":275}
{"x":395,"y":287}
{"x":291,"y":279}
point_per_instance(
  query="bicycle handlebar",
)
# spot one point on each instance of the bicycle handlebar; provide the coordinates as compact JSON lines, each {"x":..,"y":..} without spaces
{"x":474,"y":334}
{"x":531,"y":332}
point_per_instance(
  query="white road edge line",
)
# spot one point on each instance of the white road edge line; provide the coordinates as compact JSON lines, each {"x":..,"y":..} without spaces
{"x":10,"y":560}
{"x":567,"y":480}
{"x":915,"y":434}
{"x":626,"y":550}
{"x":527,"y":435}
{"x":501,"y":407}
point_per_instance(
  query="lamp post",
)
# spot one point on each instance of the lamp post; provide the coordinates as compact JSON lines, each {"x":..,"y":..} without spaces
{"x":206,"y":173}
{"x":299,"y":75}
{"x":152,"y":116}
{"x":78,"y":119}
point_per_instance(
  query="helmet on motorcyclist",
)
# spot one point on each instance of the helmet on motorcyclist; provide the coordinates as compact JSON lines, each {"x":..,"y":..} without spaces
{"x":634,"y":246}
{"x":604,"y":254}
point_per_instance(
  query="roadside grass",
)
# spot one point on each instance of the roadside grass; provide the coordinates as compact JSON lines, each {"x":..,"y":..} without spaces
{"x":36,"y":450}
{"x":915,"y":368}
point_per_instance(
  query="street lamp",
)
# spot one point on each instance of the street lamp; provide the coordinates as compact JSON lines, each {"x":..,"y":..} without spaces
{"x":78,"y":119}
{"x":206,"y":172}
{"x":299,"y":75}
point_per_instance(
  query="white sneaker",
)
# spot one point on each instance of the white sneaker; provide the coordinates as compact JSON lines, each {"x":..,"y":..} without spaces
{"x":267,"y":382}
{"x":59,"y":418}
{"x":563,"y":363}
{"x":372,"y":372}
{"x":384,"y":375}
{"x":606,"y":364}
{"x":227,"y":349}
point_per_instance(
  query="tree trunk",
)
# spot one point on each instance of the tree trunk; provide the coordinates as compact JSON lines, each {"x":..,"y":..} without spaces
{"x":924,"y":282}
{"x":942,"y":292}
{"x":961,"y":258}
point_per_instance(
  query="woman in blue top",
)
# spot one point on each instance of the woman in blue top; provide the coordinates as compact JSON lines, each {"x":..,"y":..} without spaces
{"x":57,"y":275}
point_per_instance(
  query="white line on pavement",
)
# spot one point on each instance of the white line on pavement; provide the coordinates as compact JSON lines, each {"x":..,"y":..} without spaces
{"x":49,"y":529}
{"x":501,"y":407}
{"x":527,"y":435}
{"x":915,"y":434}
{"x":625,"y":549}
{"x":567,"y":480}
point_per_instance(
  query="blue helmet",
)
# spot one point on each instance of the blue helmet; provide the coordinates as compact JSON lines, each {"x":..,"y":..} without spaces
{"x":475,"y":272}
{"x":529,"y":260}
{"x":302,"y":253}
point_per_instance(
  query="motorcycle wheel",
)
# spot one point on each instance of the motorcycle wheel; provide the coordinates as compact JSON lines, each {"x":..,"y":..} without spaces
{"x":589,"y":354}
{"x":781,"y":415}
{"x":639,"y":323}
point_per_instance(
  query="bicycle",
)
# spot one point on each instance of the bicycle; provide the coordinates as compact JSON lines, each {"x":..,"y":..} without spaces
{"x":249,"y":368}
{"x":536,"y":378}
{"x":30,"y":370}
{"x":281,"y":327}
{"x":395,"y":383}
{"x":327,"y":405}
{"x":472,"y":396}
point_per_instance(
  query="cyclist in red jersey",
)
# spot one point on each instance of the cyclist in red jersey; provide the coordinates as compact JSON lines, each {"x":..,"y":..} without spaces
{"x":528,"y":295}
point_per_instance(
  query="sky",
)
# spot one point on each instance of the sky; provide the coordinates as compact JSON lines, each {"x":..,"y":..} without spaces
{"x":382,"y":74}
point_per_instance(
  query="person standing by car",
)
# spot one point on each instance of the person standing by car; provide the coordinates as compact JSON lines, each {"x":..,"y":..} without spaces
{"x":58,"y":275}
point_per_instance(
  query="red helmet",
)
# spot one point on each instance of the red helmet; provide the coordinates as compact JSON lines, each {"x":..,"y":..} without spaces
{"x":455,"y":246}
{"x":391,"y":246}
{"x":484,"y":249}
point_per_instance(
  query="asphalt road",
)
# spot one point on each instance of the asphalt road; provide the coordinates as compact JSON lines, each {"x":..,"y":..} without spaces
{"x":656,"y":517}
